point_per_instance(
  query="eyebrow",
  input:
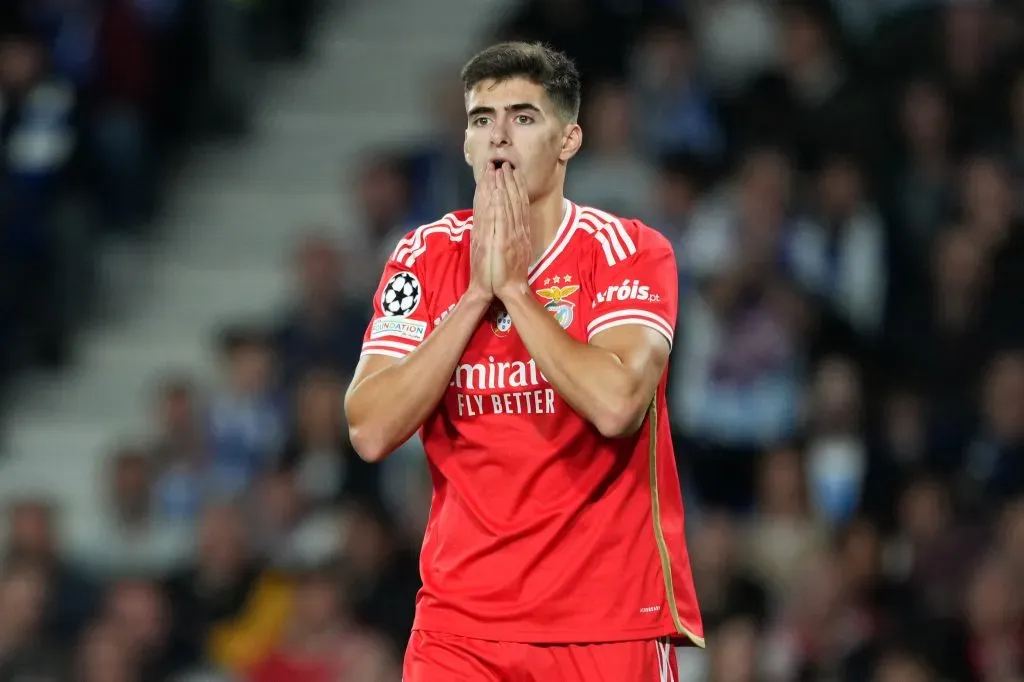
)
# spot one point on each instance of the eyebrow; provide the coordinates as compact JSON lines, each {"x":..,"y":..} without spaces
{"x":522,"y":106}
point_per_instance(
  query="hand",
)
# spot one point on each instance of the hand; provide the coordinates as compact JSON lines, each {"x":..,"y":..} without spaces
{"x":512,"y":249}
{"x":481,"y":237}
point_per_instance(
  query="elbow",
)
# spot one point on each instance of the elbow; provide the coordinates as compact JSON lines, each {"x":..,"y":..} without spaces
{"x":369,"y":446}
{"x":620,"y":419}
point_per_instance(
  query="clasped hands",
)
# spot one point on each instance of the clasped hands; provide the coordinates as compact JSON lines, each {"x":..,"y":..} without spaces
{"x":500,"y":245}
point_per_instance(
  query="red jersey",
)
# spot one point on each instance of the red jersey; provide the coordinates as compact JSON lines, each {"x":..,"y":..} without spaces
{"x":542,"y":530}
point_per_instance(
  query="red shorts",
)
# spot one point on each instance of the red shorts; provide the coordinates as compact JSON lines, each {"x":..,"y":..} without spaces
{"x":438,"y":657}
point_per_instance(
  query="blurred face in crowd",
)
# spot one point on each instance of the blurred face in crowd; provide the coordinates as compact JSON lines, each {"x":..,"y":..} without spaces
{"x":21,"y":62}
{"x":765,"y":184}
{"x":23,"y":598}
{"x":131,"y":485}
{"x":318,"y":264}
{"x":665,"y":56}
{"x":782,"y":485}
{"x":734,"y":656}
{"x":821,"y":592}
{"x":105,"y":656}
{"x":608,"y":119}
{"x":898,"y":667}
{"x":366,"y":540}
{"x":904,"y":424}
{"x":924,"y":511}
{"x":993,"y":600}
{"x":840,"y":187}
{"x":968,"y":38}
{"x":861,"y":555}
{"x":176,"y":408}
{"x":250,"y":368}
{"x":32,"y":530}
{"x":221,"y":540}
{"x":319,"y":409}
{"x":317,"y":602}
{"x":1011,"y":533}
{"x":713,"y":545}
{"x":1004,"y":398}
{"x":958,"y":265}
{"x":675,"y":195}
{"x":836,"y":395}
{"x":1017,"y":104}
{"x":988,"y":200}
{"x":514,"y":120}
{"x":383,"y":194}
{"x":281,"y":500}
{"x":925,"y":118}
{"x":138,"y":608}
{"x":804,"y":39}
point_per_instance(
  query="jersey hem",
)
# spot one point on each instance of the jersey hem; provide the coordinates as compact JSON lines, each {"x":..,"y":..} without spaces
{"x":498,"y":634}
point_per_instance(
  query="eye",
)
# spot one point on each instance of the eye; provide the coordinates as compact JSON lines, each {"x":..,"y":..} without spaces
{"x":480,"y":121}
{"x":524,"y":119}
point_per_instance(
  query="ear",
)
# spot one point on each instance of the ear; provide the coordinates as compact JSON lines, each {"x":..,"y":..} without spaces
{"x":465,"y":149}
{"x":572,"y":140}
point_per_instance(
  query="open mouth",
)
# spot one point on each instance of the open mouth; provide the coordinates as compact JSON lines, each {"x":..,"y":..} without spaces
{"x":498,"y":163}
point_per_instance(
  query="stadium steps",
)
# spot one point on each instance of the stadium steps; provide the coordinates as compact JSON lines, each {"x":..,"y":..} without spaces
{"x":231,"y":224}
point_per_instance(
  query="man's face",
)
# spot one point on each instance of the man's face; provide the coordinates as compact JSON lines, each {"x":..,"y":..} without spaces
{"x":514,"y":121}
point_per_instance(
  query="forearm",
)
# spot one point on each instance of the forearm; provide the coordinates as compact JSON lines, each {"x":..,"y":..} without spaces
{"x":385,"y":408}
{"x":594,"y":381}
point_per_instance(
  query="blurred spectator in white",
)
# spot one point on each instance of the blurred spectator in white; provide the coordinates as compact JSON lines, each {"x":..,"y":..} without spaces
{"x":837,"y":457}
{"x":318,"y":454}
{"x":993,"y":469}
{"x":247,"y":417}
{"x":783,"y":533}
{"x":26,"y":651}
{"x":227,"y":611}
{"x":323,"y":642}
{"x":610,"y":172}
{"x":676,"y":111}
{"x":383,"y":572}
{"x":738,"y":39}
{"x":71,"y":595}
{"x":130,"y":538}
{"x":323,"y":327}
{"x":740,"y":360}
{"x":840,"y":253}
{"x":179,"y":451}
{"x":288,"y":533}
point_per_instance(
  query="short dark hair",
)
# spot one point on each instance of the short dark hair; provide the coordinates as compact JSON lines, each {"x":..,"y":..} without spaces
{"x":535,"y":62}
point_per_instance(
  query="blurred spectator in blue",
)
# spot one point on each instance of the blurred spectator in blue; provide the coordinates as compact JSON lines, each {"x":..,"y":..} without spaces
{"x":324,"y":326}
{"x":180,"y":452}
{"x":737,"y":376}
{"x":840,"y":253}
{"x":439,"y":177}
{"x":37,"y":140}
{"x":246,"y":419}
{"x":70,"y":595}
{"x":675,"y":109}
{"x":131,"y":539}
{"x":318,"y":453}
{"x":610,"y":172}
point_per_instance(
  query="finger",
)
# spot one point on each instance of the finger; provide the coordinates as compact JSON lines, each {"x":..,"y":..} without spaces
{"x":511,"y":200}
{"x":523,"y":200}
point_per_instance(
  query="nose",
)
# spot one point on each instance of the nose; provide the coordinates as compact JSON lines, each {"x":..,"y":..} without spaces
{"x":499,"y":134}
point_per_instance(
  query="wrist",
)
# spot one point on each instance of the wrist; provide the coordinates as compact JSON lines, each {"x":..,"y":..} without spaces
{"x":476,"y":299}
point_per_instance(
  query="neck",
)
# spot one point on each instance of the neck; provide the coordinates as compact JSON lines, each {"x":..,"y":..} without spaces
{"x":546,"y":215}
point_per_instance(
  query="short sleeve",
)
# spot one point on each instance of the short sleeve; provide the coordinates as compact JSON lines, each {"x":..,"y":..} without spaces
{"x":641,"y":289}
{"x":401,"y":318}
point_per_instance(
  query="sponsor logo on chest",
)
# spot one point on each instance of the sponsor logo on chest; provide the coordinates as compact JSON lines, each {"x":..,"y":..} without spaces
{"x":629,"y":290}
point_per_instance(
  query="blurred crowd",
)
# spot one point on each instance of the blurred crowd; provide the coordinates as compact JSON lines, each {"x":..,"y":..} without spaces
{"x":843,"y":181}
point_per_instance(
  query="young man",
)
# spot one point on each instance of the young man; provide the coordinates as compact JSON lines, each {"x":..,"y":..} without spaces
{"x":528,"y":340}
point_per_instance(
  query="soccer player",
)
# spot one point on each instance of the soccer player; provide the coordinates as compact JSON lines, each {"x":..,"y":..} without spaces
{"x":527,"y":339}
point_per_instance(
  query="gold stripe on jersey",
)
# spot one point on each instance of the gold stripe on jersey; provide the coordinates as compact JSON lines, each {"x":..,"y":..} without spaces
{"x":659,"y":533}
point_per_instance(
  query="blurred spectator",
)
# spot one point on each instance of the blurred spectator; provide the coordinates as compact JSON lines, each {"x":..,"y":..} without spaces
{"x":723,"y":585}
{"x":140,"y":612}
{"x":317,"y":452}
{"x":322,"y":642}
{"x":104,"y":656}
{"x":289,"y":533}
{"x":179,"y":452}
{"x":227,"y":611}
{"x":247,"y":417}
{"x":71,"y":599}
{"x":610,"y":173}
{"x":383,"y":572}
{"x":325,"y":327}
{"x":676,"y":111}
{"x":738,"y":38}
{"x":25,"y":648}
{"x":132,"y":538}
{"x":995,"y":617}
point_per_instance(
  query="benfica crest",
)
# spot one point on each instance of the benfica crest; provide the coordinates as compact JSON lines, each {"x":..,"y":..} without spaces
{"x":557,"y":303}
{"x":501,"y":322}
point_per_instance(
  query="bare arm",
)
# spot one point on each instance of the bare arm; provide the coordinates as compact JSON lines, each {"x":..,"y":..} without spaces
{"x":389,"y":398}
{"x":610,"y":381}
